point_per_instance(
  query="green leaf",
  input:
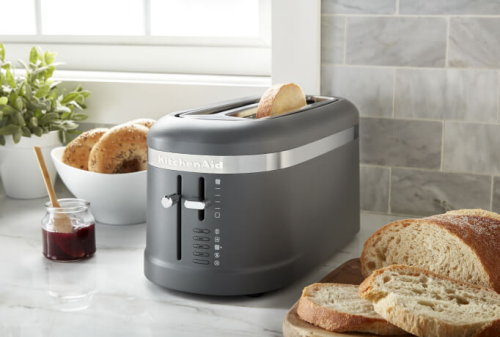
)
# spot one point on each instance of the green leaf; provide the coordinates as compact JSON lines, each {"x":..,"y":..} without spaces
{"x":38,"y":131}
{"x":40,"y":70}
{"x":9,"y":130}
{"x":70,"y":97}
{"x":20,"y":119}
{"x":17,"y":136}
{"x":49,"y":57}
{"x":28,"y":92}
{"x":34,"y":121}
{"x":85,"y":93}
{"x":2,"y":57}
{"x":79,"y":117}
{"x":62,"y":109}
{"x":19,"y":103}
{"x":10,"y":79}
{"x":43,"y":91}
{"x":3,"y":100}
{"x":33,"y":55}
{"x":62,"y":136}
{"x":6,"y":65}
{"x":25,"y":132}
{"x":8,"y":110}
{"x":65,"y":115}
{"x":47,"y":118}
{"x":24,"y":65}
{"x":2,"y":140}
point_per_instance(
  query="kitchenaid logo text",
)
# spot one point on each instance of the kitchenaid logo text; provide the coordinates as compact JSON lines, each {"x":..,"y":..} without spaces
{"x":178,"y":163}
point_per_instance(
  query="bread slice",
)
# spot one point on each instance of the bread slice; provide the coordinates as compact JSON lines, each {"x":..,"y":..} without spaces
{"x":427,"y":304}
{"x":337,"y":307}
{"x":463,"y":245}
{"x":280,"y":99}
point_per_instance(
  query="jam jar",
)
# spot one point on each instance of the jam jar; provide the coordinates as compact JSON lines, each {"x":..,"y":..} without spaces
{"x":77,"y":240}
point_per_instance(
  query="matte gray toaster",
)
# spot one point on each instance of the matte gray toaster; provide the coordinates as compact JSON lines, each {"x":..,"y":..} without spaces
{"x":238,"y":205}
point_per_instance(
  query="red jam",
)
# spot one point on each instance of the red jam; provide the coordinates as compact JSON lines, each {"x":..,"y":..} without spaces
{"x":69,"y":246}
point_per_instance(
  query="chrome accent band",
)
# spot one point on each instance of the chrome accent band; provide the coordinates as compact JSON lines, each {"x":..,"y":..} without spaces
{"x":250,"y":163}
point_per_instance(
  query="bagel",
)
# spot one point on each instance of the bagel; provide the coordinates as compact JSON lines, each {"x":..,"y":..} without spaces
{"x":78,"y":150}
{"x":147,"y":122}
{"x":119,"y":148}
{"x":280,"y":99}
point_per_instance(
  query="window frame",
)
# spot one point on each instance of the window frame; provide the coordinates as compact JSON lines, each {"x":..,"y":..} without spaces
{"x":120,"y":96}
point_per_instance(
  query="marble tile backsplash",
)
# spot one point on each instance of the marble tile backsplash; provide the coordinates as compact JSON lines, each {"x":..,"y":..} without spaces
{"x":425,"y":76}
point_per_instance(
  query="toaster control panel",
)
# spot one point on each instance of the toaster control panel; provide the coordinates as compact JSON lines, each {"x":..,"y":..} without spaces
{"x":204,"y":251}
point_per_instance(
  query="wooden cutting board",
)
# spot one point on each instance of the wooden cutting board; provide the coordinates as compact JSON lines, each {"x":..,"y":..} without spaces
{"x":293,"y":326}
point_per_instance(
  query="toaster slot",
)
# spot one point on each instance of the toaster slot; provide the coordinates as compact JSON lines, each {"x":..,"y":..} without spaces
{"x":179,"y":219}
{"x":201,"y":193}
{"x":248,"y":110}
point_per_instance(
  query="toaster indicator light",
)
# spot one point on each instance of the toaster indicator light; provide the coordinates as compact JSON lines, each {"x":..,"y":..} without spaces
{"x":217,"y":263}
{"x":217,"y":215}
{"x":217,"y":181}
{"x":217,"y":255}
{"x":217,"y":247}
{"x":217,"y":239}
{"x":217,"y":231}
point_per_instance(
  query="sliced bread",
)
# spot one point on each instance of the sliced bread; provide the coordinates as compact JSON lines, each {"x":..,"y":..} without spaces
{"x":280,"y":99}
{"x":461,"y":244}
{"x":338,"y":307}
{"x":427,"y":304}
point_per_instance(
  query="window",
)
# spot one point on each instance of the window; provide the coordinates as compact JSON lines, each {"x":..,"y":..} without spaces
{"x":129,"y":53}
{"x":173,"y":36}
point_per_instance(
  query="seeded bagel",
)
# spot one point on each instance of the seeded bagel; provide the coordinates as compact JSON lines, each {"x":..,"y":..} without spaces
{"x":77,"y":152}
{"x":118,"y":148}
{"x":147,"y":122}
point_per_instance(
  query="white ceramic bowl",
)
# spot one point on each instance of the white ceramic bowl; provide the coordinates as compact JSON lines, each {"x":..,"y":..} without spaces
{"x":115,"y":199}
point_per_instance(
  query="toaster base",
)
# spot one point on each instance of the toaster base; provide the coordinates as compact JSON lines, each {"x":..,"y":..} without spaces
{"x":234,"y":283}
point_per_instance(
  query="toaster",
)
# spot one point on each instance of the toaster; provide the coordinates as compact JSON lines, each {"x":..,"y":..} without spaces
{"x":238,"y":205}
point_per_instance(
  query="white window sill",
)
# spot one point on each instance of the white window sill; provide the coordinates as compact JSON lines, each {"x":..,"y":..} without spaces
{"x":120,"y":97}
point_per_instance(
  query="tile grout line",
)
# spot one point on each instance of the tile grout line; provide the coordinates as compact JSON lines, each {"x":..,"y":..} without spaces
{"x":394,"y":93}
{"x":380,"y":66}
{"x":345,"y":39}
{"x":481,"y":174}
{"x":408,"y":119}
{"x":390,"y":191}
{"x":442,"y":146}
{"x":397,"y":7}
{"x":491,"y":193}
{"x":425,"y":16}
{"x":447,"y":43}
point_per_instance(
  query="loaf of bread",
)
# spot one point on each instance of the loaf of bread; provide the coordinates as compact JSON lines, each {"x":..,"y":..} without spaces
{"x":338,"y":307}
{"x":280,"y":99}
{"x":464,"y":245}
{"x":427,"y":304}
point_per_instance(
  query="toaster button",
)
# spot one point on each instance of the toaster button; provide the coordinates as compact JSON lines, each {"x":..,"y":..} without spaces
{"x":201,"y":238}
{"x":200,"y":261}
{"x":201,"y":254}
{"x":201,"y":246}
{"x":201,"y":230}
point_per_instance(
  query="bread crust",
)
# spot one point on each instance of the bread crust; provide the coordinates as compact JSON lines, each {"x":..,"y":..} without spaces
{"x":332,"y":320}
{"x":121,"y":144}
{"x":415,"y":324}
{"x":77,"y":152}
{"x":478,"y":230}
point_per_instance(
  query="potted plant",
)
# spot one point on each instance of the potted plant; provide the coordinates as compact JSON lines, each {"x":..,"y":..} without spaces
{"x":33,"y":111}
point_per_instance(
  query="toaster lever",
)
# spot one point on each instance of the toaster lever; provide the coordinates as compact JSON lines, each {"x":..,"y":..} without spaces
{"x":194,"y":204}
{"x":170,"y":200}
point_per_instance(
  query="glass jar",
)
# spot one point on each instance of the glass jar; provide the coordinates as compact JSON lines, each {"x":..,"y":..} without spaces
{"x":72,"y":244}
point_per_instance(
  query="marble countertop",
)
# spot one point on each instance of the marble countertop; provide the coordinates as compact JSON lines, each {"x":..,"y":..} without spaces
{"x":108,"y":295}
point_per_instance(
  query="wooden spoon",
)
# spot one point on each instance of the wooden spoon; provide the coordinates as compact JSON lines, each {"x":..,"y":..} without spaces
{"x":62,"y":223}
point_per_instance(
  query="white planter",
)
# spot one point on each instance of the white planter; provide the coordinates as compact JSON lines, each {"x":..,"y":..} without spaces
{"x":19,"y":170}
